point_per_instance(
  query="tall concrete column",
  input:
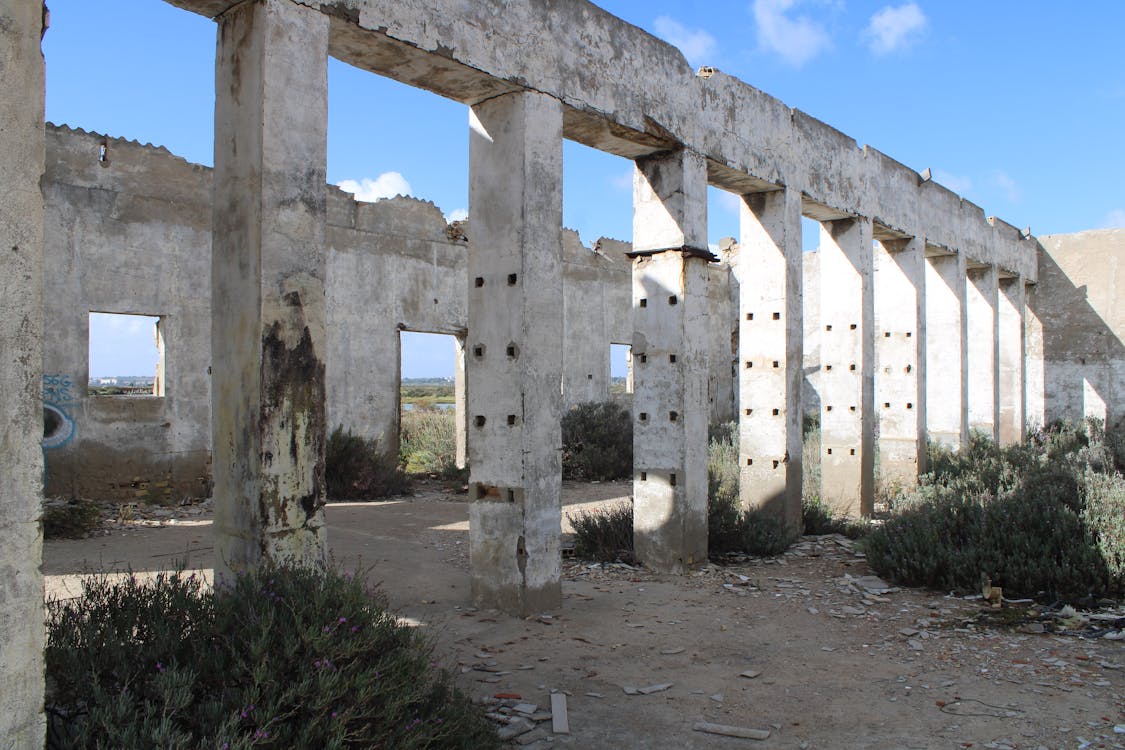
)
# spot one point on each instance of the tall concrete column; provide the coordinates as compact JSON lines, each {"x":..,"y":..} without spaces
{"x":268,"y":339}
{"x":670,"y":404}
{"x":460,"y":404}
{"x":771,"y":328}
{"x":981,"y":301}
{"x":514,"y":363}
{"x":847,"y":354}
{"x":1010,"y":330}
{"x":947,"y":418}
{"x":21,"y":375}
{"x":900,"y":358}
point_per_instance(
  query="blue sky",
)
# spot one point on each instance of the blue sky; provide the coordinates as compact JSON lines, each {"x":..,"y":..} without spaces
{"x":1020,"y":106}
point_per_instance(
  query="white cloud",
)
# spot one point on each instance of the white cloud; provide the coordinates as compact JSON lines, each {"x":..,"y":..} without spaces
{"x":797,"y":40}
{"x":386,"y":185}
{"x":1115,"y":219}
{"x":1008,"y":186}
{"x":893,"y":27}
{"x":696,"y":44}
{"x":959,"y":185}
{"x":457,"y":214}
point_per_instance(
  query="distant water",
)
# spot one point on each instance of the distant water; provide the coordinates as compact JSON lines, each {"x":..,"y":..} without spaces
{"x":443,"y":407}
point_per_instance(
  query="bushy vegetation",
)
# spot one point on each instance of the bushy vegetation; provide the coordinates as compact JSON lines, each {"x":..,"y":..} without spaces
{"x":356,"y":468}
{"x":69,"y":519}
{"x":597,"y":441}
{"x":1044,"y":519}
{"x":604,"y":534}
{"x":286,"y":658}
{"x":428,"y":442}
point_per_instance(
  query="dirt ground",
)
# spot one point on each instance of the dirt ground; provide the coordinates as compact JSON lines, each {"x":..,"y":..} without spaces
{"x":797,"y":646}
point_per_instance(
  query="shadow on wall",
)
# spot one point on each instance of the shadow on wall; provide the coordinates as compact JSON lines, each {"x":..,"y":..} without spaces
{"x":1083,"y":357}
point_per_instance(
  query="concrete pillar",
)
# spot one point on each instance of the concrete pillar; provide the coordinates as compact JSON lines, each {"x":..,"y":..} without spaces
{"x":514,"y":363}
{"x":847,"y":355}
{"x":460,"y":404}
{"x":21,"y":375}
{"x":1035,"y":364}
{"x":268,"y":337}
{"x":981,"y":295}
{"x":947,"y":418}
{"x":769,"y":271}
{"x":1010,"y":337}
{"x":670,"y":404}
{"x":900,"y":358}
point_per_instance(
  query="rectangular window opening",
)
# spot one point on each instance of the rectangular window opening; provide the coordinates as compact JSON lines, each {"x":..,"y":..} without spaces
{"x":126,"y":355}
{"x":620,"y":370}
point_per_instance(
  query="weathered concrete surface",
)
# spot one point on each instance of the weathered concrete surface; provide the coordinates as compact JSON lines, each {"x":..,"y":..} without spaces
{"x":769,"y":269}
{"x":981,"y":306}
{"x":847,"y":350}
{"x":1010,"y":325}
{"x":900,"y":358}
{"x":644,"y":98}
{"x":670,"y":365}
{"x":128,"y":230}
{"x":268,"y":338}
{"x":21,"y":333}
{"x":1076,"y":359}
{"x":514,"y":364}
{"x":947,"y":415}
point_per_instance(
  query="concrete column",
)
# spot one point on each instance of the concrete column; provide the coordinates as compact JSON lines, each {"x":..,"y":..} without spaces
{"x":1010,"y":338}
{"x":514,"y":363}
{"x":981,"y":294}
{"x":947,"y":418}
{"x":21,"y":375}
{"x":460,"y":404}
{"x":670,"y":404}
{"x":770,"y":374}
{"x":1035,"y":364}
{"x":900,"y":347}
{"x":267,"y":280}
{"x":847,"y":355}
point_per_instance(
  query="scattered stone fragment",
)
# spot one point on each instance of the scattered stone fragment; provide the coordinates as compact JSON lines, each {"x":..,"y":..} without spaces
{"x":525,"y":708}
{"x":672,"y":651}
{"x":594,"y":695}
{"x":730,"y":731}
{"x":515,"y":729}
{"x":750,"y":674}
{"x":630,"y":690}
{"x":530,"y":737}
{"x":560,"y":722}
{"x":655,"y":688}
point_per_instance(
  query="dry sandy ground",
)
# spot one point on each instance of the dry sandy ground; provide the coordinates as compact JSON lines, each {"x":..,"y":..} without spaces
{"x":837,"y":666}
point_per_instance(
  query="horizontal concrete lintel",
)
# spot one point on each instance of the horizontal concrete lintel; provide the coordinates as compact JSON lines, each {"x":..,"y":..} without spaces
{"x":687,"y":250}
{"x":738,"y":181}
{"x":884,"y":233}
{"x":975,"y":266}
{"x":938,"y":251}
{"x":818,"y":211}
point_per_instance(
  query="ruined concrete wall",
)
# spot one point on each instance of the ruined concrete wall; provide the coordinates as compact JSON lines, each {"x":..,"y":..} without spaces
{"x":1076,"y":326}
{"x":128,"y":230}
{"x":722,"y":342}
{"x":810,"y":394}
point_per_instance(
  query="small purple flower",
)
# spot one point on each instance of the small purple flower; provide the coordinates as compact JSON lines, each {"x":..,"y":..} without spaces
{"x":343,"y":619}
{"x":159,"y":667}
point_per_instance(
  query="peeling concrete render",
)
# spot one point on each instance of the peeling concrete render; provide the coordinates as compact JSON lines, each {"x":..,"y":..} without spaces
{"x":918,"y":319}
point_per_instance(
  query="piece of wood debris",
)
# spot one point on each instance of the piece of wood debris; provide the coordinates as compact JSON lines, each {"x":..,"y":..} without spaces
{"x":726,"y":730}
{"x":560,"y":722}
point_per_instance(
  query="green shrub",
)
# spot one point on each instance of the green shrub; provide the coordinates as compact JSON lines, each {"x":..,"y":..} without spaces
{"x":69,"y":519}
{"x":287,"y":658}
{"x":1045,"y":519}
{"x":428,"y":442}
{"x":355,"y":468}
{"x":604,"y":534}
{"x":597,"y":441}
{"x":818,"y":517}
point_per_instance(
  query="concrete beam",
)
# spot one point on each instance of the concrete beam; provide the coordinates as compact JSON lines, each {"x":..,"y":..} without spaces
{"x":1010,"y":343}
{"x":514,"y":364}
{"x":847,"y":353}
{"x":768,"y":268}
{"x":670,"y":404}
{"x":268,"y":276}
{"x":947,"y":417}
{"x":900,"y":358}
{"x":21,"y":374}
{"x":982,"y":293}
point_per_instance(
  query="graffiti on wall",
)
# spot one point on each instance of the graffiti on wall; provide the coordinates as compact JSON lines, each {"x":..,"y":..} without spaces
{"x":59,"y":427}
